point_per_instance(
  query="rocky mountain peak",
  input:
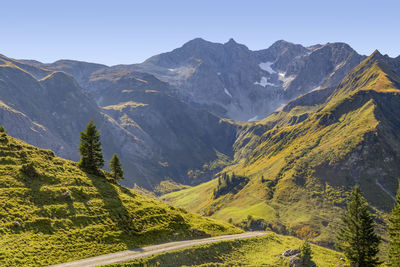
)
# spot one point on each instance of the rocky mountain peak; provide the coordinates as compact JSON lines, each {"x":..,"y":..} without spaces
{"x":376,"y":56}
{"x":196,"y":42}
{"x":231,"y":41}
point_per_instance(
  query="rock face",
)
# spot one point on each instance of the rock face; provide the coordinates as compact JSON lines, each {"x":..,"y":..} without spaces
{"x":230,"y":80}
{"x":294,"y":257}
{"x":234,"y":82}
{"x":290,"y":252}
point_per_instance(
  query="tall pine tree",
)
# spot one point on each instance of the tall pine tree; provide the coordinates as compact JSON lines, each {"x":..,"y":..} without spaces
{"x":394,"y":232}
{"x":90,"y":149}
{"x":306,"y":255}
{"x":116,"y":169}
{"x":357,"y":238}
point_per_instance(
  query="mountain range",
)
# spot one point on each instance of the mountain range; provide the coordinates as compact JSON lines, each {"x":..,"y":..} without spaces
{"x":173,"y":114}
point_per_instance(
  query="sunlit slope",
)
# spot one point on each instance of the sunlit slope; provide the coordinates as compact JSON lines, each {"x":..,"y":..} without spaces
{"x":310,"y":156}
{"x":262,"y":251}
{"x":51,"y":211}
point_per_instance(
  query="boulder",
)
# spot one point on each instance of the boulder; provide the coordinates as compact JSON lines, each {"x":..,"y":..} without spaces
{"x":290,"y":252}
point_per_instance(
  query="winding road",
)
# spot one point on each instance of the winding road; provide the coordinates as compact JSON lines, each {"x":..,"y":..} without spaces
{"x":128,"y":255}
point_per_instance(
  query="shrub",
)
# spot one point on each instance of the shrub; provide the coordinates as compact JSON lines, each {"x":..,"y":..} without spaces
{"x":29,"y":170}
{"x":229,"y":184}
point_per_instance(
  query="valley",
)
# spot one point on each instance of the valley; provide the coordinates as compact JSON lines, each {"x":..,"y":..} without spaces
{"x":214,"y":139}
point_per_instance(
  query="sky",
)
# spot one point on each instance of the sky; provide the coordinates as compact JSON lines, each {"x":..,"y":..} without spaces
{"x":125,"y":32}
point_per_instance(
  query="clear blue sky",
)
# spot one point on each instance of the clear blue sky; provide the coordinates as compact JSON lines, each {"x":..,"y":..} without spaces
{"x":117,"y":31}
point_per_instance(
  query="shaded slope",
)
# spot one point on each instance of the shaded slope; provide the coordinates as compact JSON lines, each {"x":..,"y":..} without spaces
{"x":186,"y":138}
{"x":51,"y":111}
{"x":156,"y":135}
{"x":53,"y":212}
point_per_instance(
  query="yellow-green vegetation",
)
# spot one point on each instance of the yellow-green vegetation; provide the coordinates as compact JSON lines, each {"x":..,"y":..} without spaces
{"x":262,"y":251}
{"x":303,"y":161}
{"x":53,"y":212}
{"x":168,"y":186}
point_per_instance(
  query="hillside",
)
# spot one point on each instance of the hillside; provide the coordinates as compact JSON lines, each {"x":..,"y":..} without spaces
{"x":48,"y":109}
{"x":52,"y":212}
{"x":303,"y":160}
{"x":262,"y":251}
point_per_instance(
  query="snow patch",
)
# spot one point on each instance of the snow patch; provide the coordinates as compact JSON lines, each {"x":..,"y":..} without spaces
{"x":280,"y":107}
{"x":267,"y":67}
{"x":315,"y":88}
{"x":264,"y":82}
{"x":171,"y":69}
{"x":338,"y":66}
{"x":218,"y":73}
{"x":227,"y":92}
{"x":384,"y":189}
{"x":286,"y":80}
{"x":255,"y":118}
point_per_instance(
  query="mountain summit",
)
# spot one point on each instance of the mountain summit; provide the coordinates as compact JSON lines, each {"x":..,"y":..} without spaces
{"x":234,"y":82}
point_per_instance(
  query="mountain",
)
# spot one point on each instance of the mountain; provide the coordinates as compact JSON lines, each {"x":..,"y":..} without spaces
{"x":301,"y":162}
{"x":80,"y":70}
{"x":48,"y":108}
{"x":52,"y":212}
{"x":197,"y":84}
{"x":229,"y":80}
{"x":234,"y":82}
{"x":186,"y":138}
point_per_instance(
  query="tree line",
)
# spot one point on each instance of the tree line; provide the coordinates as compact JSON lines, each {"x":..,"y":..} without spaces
{"x":92,"y":159}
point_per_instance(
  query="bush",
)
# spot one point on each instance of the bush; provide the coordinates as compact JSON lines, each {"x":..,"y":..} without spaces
{"x":229,"y":184}
{"x":29,"y":170}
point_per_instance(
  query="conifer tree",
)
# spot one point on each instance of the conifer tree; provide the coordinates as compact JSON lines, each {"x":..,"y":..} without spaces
{"x":90,"y":149}
{"x":116,"y":168}
{"x":394,"y":232}
{"x":357,"y":238}
{"x":306,"y":254}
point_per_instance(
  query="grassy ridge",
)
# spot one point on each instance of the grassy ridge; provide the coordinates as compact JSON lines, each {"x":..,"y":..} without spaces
{"x":52,"y":212}
{"x":303,"y":161}
{"x":262,"y":251}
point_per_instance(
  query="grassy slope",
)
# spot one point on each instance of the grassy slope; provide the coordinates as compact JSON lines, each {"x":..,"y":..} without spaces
{"x":63,"y":214}
{"x":295,"y":159}
{"x":263,"y":251}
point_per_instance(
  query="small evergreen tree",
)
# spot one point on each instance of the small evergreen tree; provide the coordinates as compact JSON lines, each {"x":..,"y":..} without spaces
{"x":306,"y":254}
{"x":357,"y":238}
{"x":90,"y":149}
{"x":3,"y":134}
{"x":116,"y":168}
{"x":394,"y":232}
